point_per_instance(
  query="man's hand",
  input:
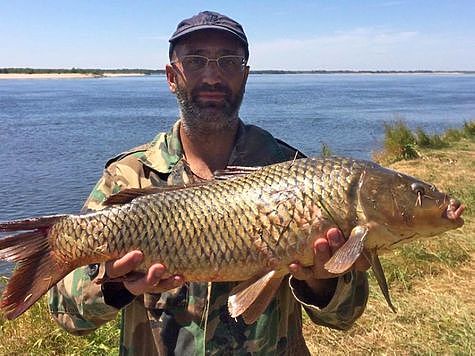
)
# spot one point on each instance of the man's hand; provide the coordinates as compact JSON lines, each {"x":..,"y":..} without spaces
{"x":317,"y":276}
{"x":153,"y":281}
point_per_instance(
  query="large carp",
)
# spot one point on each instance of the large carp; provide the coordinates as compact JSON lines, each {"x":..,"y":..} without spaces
{"x":248,"y":227}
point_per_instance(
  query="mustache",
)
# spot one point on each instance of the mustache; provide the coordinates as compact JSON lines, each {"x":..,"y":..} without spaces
{"x":220,"y":88}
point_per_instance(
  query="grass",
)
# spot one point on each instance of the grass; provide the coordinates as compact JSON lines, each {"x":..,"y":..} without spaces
{"x":400,"y":143}
{"x":431,"y":282}
{"x":35,"y":333}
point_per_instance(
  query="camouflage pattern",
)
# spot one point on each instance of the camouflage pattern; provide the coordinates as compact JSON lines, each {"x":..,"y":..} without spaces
{"x":193,"y":319}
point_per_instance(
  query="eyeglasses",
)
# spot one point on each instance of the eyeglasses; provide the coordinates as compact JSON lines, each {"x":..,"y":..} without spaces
{"x":228,"y":64}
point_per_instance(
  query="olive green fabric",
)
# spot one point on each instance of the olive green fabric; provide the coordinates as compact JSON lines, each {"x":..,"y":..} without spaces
{"x":193,"y":319}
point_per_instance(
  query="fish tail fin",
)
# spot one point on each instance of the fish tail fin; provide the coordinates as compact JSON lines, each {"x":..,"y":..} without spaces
{"x":37,"y":269}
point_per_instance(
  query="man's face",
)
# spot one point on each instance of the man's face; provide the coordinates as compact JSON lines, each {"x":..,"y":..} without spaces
{"x":209,"y":95}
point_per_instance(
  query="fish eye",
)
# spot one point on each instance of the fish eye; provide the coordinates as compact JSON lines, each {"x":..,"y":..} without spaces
{"x":418,"y":188}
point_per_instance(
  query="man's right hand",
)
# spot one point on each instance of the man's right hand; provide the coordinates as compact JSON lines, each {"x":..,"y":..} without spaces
{"x":154,"y":281}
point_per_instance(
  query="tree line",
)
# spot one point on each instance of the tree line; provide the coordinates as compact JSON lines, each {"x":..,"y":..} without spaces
{"x":95,"y":71}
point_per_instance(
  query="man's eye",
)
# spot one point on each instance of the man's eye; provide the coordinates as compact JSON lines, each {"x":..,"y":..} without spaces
{"x":193,"y":62}
{"x":230,"y":63}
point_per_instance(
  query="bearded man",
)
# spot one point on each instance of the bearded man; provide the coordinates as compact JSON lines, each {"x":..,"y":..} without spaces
{"x":207,"y":72}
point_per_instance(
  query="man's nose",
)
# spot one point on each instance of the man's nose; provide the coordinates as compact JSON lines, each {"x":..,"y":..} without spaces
{"x":212,"y":74}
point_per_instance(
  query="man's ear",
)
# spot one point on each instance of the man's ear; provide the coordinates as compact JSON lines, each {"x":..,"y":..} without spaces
{"x":171,"y":77}
{"x":246,"y":74}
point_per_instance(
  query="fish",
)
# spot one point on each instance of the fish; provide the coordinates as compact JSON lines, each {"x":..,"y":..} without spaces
{"x":245,"y":226}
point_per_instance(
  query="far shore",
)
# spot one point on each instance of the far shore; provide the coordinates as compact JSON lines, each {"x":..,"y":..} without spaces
{"x":258,"y":72}
{"x":65,"y":75}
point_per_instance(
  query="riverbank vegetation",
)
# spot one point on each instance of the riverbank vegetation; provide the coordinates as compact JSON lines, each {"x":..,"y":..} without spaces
{"x":431,"y":282}
{"x":86,"y":71}
{"x":400,"y":143}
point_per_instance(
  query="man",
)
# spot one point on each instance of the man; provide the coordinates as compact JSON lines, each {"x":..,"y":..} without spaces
{"x":207,"y":72}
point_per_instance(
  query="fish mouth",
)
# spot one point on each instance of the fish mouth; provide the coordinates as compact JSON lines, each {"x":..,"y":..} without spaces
{"x":454,"y":211}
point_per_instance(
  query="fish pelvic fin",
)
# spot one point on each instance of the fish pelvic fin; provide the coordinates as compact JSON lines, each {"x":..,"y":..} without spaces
{"x":378,"y":271}
{"x":251,"y":298}
{"x":36,"y":271}
{"x":346,"y":255}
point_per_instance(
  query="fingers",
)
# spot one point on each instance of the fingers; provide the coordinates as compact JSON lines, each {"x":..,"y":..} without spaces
{"x":154,"y":281}
{"x":323,"y":249}
{"x":322,"y":253}
{"x":124,"y":265}
{"x":335,"y":239}
{"x":300,"y":272}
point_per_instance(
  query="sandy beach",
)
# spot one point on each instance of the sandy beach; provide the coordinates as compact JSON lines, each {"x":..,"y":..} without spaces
{"x":65,"y":75}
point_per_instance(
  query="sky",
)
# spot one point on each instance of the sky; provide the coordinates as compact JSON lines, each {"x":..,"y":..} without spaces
{"x":287,"y":35}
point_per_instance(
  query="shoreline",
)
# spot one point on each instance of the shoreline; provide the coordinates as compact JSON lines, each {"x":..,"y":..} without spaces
{"x":255,"y":72}
{"x":66,"y":75}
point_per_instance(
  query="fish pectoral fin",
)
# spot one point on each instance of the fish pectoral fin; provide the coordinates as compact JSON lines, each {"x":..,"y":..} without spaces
{"x":373,"y":259}
{"x":251,"y":298}
{"x":346,"y":255}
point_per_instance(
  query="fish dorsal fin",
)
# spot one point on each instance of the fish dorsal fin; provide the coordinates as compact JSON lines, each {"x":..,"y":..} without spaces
{"x":346,"y":255}
{"x":129,"y":194}
{"x":251,"y":298}
{"x":378,"y":271}
{"x":233,"y":171}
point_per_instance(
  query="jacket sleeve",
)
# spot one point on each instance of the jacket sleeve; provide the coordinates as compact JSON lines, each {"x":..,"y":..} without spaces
{"x":345,"y":306}
{"x":77,"y":302}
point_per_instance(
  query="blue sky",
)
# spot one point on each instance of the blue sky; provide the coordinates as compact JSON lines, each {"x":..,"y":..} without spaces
{"x":329,"y":35}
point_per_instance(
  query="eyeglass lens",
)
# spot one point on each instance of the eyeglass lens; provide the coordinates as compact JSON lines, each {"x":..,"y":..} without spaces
{"x":228,"y":64}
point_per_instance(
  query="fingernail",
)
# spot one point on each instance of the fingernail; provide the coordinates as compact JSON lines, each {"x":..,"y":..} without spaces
{"x":322,"y":247}
{"x":177,"y":280}
{"x":335,"y":239}
{"x":138,"y":258}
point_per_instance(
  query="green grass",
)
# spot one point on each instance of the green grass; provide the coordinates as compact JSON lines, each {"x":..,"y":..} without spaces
{"x":401,"y":143}
{"x":35,"y":333}
{"x":326,"y":150}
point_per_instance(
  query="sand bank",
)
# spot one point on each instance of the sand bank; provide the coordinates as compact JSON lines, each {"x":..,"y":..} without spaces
{"x":65,"y":75}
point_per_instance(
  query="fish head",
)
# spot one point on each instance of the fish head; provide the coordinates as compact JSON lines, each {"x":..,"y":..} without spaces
{"x":404,"y":207}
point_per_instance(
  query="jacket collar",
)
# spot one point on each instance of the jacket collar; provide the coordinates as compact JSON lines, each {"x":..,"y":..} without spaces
{"x":164,"y":151}
{"x":253,"y":147}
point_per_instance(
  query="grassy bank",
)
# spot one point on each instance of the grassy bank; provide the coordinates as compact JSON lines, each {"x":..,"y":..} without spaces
{"x":431,"y":282}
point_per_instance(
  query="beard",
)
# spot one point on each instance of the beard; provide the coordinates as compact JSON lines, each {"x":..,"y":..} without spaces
{"x":201,"y":118}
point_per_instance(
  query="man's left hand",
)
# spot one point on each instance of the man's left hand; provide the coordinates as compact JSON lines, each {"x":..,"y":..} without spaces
{"x":316,"y":276}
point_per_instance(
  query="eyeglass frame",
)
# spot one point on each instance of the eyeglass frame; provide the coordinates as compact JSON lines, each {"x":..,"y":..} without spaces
{"x":243,"y":62}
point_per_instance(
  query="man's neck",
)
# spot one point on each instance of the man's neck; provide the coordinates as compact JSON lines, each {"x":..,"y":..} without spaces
{"x":210,"y":152}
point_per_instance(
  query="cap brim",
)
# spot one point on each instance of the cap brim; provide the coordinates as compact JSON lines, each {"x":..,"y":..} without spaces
{"x":205,"y":27}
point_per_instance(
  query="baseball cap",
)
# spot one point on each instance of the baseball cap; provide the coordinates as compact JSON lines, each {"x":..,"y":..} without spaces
{"x":208,"y":20}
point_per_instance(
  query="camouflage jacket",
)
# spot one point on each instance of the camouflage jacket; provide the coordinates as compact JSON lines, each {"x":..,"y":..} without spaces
{"x":193,"y":319}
